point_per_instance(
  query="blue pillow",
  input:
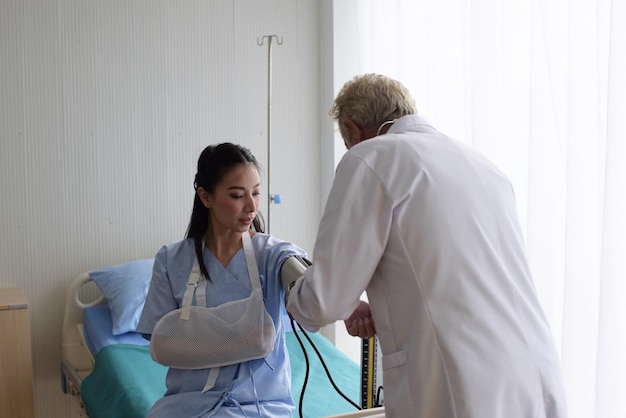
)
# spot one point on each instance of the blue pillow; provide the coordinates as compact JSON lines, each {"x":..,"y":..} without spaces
{"x":125,"y":286}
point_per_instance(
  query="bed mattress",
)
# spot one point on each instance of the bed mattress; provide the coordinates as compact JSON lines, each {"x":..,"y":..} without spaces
{"x":97,"y":325}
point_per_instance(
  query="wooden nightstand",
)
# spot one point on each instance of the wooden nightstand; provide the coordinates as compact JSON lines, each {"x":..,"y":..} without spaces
{"x":16,"y":366}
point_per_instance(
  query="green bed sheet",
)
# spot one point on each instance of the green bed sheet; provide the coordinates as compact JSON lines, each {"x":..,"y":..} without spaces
{"x":126,"y":381}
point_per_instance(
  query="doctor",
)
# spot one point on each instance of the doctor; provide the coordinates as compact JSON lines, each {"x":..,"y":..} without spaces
{"x":428,"y":228}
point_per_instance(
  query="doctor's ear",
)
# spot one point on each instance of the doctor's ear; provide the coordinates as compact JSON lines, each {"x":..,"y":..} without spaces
{"x":205,"y":197}
{"x":357,"y":132}
{"x":354,"y":132}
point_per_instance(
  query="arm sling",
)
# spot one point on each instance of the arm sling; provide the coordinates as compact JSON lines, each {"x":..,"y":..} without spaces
{"x":197,"y":337}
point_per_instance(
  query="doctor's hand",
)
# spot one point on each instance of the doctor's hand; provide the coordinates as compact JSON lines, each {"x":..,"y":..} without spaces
{"x":361,"y":323}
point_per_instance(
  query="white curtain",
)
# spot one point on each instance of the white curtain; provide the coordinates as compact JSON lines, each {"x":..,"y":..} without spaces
{"x":539,"y":86}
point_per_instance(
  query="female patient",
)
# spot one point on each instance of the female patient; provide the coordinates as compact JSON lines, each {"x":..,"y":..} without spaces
{"x":213,"y":311}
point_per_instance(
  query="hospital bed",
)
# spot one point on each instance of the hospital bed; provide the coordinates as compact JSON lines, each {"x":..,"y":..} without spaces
{"x":106,"y":366}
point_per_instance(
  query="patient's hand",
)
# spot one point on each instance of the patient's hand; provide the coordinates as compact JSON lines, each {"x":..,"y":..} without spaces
{"x":361,"y":323}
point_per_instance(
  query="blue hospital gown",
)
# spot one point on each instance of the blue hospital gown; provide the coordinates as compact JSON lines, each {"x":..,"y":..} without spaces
{"x":254,"y":388}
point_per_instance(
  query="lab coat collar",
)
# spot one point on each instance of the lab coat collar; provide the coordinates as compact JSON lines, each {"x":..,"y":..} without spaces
{"x":411,"y":123}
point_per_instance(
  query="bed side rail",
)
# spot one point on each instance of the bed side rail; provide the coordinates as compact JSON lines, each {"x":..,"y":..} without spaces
{"x":74,"y":351}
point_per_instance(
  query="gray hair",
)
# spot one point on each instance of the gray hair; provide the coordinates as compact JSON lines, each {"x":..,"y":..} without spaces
{"x":370,"y":100}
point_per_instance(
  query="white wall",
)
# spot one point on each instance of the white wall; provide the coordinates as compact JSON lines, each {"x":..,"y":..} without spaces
{"x":104,"y":109}
{"x":341,"y":61}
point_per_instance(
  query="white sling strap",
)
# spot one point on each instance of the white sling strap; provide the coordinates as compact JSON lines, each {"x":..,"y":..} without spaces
{"x":196,"y":337}
{"x":197,"y":284}
{"x":253,"y":269}
{"x":192,"y":283}
{"x":253,"y":272}
{"x":210,"y":381}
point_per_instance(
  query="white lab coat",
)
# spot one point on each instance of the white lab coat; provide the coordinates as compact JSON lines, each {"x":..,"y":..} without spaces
{"x":428,"y":227}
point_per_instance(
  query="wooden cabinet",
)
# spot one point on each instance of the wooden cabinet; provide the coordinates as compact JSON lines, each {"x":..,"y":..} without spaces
{"x":16,"y":367}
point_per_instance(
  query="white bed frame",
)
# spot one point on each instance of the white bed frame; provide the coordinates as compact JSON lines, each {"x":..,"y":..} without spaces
{"x":369,"y":413}
{"x":77,"y":361}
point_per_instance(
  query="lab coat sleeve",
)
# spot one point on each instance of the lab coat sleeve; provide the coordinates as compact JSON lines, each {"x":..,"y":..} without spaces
{"x":351,"y":238}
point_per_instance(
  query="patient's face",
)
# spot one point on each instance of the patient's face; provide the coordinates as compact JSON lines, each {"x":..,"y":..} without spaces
{"x":235,"y":200}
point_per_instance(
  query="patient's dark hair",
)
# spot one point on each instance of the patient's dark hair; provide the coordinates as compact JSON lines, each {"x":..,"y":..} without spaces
{"x":214,"y":162}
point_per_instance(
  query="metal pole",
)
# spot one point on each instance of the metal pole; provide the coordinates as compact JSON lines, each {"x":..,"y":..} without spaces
{"x":269,"y":117}
{"x":269,"y":128}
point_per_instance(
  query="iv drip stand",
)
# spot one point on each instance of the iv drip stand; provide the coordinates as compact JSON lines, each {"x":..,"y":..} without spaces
{"x":260,"y":42}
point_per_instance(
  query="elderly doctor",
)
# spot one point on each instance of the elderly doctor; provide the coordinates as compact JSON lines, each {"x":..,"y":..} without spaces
{"x":428,"y":228}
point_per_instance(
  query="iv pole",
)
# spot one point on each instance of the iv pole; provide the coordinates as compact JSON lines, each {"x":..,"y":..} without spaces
{"x":260,"y":42}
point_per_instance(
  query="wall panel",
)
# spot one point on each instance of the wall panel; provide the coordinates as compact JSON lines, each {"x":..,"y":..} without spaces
{"x":104,"y":109}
